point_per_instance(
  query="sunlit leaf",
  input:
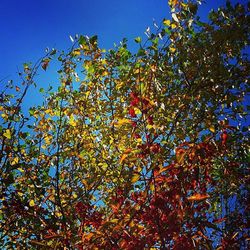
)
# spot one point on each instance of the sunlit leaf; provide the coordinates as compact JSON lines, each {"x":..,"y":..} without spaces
{"x":138,"y":39}
{"x":7,"y":133}
{"x":121,"y":122}
{"x":32,"y":203}
{"x":167,"y":22}
{"x":198,"y":197}
{"x":135,"y":178}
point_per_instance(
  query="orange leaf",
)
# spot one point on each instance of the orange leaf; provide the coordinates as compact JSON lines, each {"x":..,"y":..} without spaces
{"x":135,"y":178}
{"x":198,"y":197}
{"x":87,"y":236}
{"x":165,"y":169}
{"x":125,"y":155}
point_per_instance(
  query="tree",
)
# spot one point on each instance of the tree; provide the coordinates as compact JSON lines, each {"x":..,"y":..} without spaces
{"x":133,"y":151}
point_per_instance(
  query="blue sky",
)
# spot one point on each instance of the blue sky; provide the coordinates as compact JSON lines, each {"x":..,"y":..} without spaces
{"x":29,"y":26}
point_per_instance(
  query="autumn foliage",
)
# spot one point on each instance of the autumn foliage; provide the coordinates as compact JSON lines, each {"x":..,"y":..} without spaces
{"x":144,"y":150}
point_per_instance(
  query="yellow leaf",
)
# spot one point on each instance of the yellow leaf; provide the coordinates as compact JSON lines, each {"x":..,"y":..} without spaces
{"x":198,"y":197}
{"x":149,"y":126}
{"x":105,"y":73}
{"x":104,"y":61}
{"x":121,"y":122}
{"x":137,"y":111}
{"x":72,"y":121}
{"x":135,"y":178}
{"x":4,"y":116}
{"x":87,"y":93}
{"x":152,"y":187}
{"x":184,"y":5}
{"x":58,"y":214}
{"x":167,"y":22}
{"x":172,"y":3}
{"x":32,"y":203}
{"x":47,"y":139}
{"x":212,"y":129}
{"x":172,"y":49}
{"x":173,"y":26}
{"x":14,"y":161}
{"x":7,"y":133}
{"x":114,"y":221}
{"x":76,"y":52}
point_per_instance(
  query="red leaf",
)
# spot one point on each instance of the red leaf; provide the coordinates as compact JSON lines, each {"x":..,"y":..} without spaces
{"x":224,"y":137}
{"x":132,"y":112}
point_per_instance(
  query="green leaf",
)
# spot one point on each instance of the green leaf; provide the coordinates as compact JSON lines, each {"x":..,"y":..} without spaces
{"x":41,"y":90}
{"x":82,"y":40}
{"x":138,"y":39}
{"x":141,"y":52}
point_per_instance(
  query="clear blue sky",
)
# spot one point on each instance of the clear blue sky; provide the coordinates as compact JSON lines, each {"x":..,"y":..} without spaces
{"x":27,"y":27}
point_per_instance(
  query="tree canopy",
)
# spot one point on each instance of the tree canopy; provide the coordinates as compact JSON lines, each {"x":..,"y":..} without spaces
{"x":144,"y":150}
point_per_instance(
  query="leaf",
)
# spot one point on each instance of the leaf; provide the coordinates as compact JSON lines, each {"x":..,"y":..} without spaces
{"x":212,"y":129}
{"x":135,"y":178}
{"x":165,"y":169}
{"x":173,"y":26}
{"x":32,"y":203}
{"x":86,"y":236}
{"x":72,"y":121}
{"x":138,"y":39}
{"x":14,"y":161}
{"x":172,"y":3}
{"x":45,"y":64}
{"x":172,"y":49}
{"x":122,"y":121}
{"x":113,"y":221}
{"x":21,"y":170}
{"x":41,"y":90}
{"x":141,"y":52}
{"x":167,"y":22}
{"x":124,"y":156}
{"x":76,"y":52}
{"x":7,"y":134}
{"x":198,"y":197}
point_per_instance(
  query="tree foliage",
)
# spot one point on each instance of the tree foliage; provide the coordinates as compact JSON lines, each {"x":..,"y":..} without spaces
{"x":140,"y":150}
